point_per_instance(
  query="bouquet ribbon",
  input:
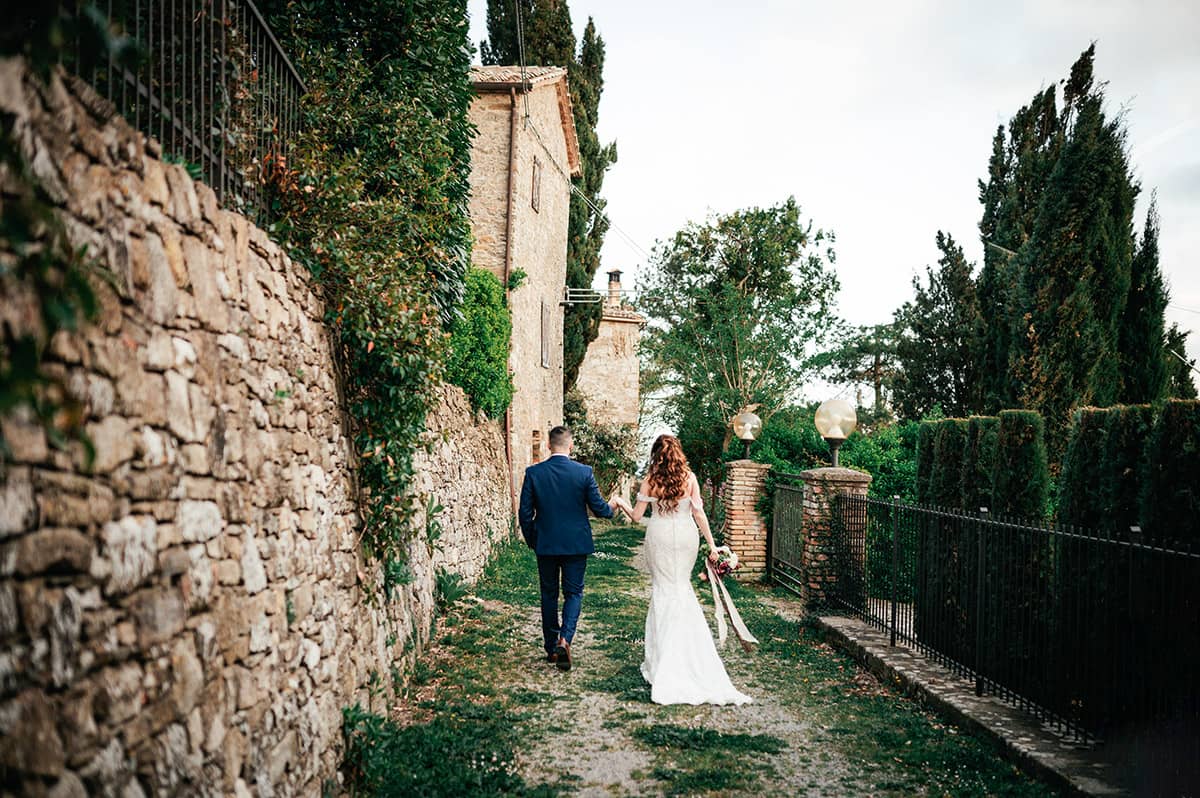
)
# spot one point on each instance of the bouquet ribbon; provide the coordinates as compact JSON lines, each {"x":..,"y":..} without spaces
{"x":723,"y":605}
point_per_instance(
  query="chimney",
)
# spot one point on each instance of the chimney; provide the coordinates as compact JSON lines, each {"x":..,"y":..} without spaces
{"x":614,"y":287}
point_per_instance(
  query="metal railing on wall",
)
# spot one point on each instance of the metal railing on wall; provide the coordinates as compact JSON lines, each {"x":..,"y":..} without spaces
{"x":1096,"y":635}
{"x":211,"y":83}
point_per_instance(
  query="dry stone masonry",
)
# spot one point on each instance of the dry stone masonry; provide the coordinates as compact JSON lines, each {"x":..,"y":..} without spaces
{"x":190,"y":615}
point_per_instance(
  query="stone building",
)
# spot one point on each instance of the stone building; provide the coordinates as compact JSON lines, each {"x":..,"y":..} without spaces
{"x":609,"y":378}
{"x":520,"y":201}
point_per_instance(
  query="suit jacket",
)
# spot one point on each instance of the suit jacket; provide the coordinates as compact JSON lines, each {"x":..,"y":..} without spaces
{"x":555,"y":500}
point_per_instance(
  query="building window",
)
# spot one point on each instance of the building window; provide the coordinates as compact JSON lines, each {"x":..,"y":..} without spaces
{"x":535,"y":194}
{"x":547,"y":334}
{"x":535,"y":450}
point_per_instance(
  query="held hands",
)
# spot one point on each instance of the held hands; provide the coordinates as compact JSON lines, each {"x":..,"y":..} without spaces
{"x":619,"y":503}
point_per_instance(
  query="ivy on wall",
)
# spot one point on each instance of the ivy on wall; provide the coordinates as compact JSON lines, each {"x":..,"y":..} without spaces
{"x":479,"y":344}
{"x":374,"y":203}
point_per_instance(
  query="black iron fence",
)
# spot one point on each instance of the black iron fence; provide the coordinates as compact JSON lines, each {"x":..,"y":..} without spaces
{"x":209,"y":81}
{"x":1097,"y":635}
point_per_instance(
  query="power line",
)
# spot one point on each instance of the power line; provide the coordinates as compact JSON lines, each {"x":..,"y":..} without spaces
{"x":550,"y":155}
{"x":1181,"y":307}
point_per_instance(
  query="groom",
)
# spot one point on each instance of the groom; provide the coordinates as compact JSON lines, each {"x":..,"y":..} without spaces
{"x":555,"y":500}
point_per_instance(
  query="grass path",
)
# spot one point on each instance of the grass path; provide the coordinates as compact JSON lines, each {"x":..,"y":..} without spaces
{"x":485,"y":715}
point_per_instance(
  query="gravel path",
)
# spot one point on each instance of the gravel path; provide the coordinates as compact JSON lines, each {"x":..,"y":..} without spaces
{"x":819,"y":725}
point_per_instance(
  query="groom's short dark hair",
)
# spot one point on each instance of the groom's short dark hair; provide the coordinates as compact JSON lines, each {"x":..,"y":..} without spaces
{"x":559,"y":437}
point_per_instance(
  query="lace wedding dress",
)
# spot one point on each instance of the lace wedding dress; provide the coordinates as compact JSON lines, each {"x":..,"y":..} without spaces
{"x":682,"y":664}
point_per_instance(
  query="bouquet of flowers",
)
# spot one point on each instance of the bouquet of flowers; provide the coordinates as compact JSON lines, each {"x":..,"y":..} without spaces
{"x":727,"y":561}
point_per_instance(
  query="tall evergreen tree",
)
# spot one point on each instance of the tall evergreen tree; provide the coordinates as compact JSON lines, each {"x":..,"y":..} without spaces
{"x":937,"y":348}
{"x":549,"y":40}
{"x":1180,"y":382}
{"x":1142,"y":333}
{"x":1077,"y":264}
{"x":1020,"y":164}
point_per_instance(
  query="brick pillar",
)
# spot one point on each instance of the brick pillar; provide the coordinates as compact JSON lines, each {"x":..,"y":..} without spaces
{"x":745,"y":531}
{"x":821,"y":487}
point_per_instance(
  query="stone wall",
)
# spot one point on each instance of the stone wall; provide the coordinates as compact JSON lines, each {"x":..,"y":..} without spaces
{"x":189,"y":615}
{"x":822,"y":487}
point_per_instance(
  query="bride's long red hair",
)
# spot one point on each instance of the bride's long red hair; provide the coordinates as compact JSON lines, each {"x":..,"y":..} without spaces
{"x":668,"y":473}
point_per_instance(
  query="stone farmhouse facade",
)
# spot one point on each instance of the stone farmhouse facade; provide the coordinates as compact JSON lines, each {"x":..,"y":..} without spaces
{"x":609,"y":377}
{"x":521,"y":159}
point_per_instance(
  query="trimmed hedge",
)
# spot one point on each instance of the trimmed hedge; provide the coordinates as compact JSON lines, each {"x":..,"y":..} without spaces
{"x":1021,"y":479}
{"x":1079,"y":499}
{"x":1171,"y":497}
{"x":979,"y":460}
{"x":925,"y":441}
{"x":1122,"y":470}
{"x":945,"y":476}
{"x":479,"y":344}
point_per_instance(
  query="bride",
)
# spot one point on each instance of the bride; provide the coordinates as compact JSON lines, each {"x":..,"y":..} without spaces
{"x":681,"y":664}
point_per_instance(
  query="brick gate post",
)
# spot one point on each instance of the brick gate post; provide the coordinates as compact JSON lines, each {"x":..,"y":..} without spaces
{"x":745,"y":531}
{"x":821,"y":488}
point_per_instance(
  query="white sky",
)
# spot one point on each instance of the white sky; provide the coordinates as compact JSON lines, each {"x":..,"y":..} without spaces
{"x":879,"y":118}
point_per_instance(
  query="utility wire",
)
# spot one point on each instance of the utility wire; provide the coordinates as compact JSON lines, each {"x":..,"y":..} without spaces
{"x":566,"y":175}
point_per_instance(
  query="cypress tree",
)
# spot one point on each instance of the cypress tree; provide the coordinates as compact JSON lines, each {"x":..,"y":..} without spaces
{"x":1021,"y":479}
{"x":945,"y":478}
{"x":1143,"y":328}
{"x":939,"y":360}
{"x":1076,"y":266}
{"x":1080,"y":501}
{"x":979,"y":461}
{"x":1122,"y":466}
{"x":926,"y":435}
{"x":1021,"y":161}
{"x":1180,"y":383}
{"x":1171,"y":486}
{"x":550,"y":41}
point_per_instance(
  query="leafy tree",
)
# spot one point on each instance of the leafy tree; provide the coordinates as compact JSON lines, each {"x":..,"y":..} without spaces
{"x":1180,"y":368}
{"x":939,"y":334}
{"x":610,"y":449}
{"x":479,"y":343}
{"x":863,"y":356}
{"x":734,"y":308}
{"x":549,"y":40}
{"x":1142,"y":333}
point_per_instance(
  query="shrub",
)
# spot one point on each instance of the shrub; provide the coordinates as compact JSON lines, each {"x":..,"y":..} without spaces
{"x":479,"y":345}
{"x":1122,"y":466}
{"x":889,"y":455}
{"x":609,"y":449}
{"x":945,"y":476}
{"x":1171,"y":489}
{"x":1021,"y":479}
{"x":1079,"y":499}
{"x":979,"y":460}
{"x":925,"y":441}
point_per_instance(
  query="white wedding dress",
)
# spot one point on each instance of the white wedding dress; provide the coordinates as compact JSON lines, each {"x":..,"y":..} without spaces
{"x":681,"y":664}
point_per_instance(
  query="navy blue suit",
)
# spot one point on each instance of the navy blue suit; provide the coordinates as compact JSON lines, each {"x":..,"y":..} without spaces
{"x":555,"y":500}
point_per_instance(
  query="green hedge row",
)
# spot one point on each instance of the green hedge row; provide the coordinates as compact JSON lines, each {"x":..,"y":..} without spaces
{"x":998,"y":462}
{"x":1126,"y":466}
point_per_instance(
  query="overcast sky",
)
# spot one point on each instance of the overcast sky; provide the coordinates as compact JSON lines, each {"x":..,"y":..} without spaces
{"x":878,"y":118}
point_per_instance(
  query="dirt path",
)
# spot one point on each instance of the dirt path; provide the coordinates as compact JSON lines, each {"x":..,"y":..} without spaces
{"x":819,"y":726}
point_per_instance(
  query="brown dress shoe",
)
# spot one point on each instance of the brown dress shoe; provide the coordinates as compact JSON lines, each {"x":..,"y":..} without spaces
{"x":552,"y":657}
{"x":562,"y":655}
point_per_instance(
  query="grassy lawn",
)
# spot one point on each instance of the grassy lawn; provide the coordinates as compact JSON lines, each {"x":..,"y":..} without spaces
{"x":484,"y":715}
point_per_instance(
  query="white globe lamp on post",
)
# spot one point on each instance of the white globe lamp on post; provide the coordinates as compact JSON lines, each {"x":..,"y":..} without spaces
{"x":835,"y":421}
{"x":747,"y":426}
